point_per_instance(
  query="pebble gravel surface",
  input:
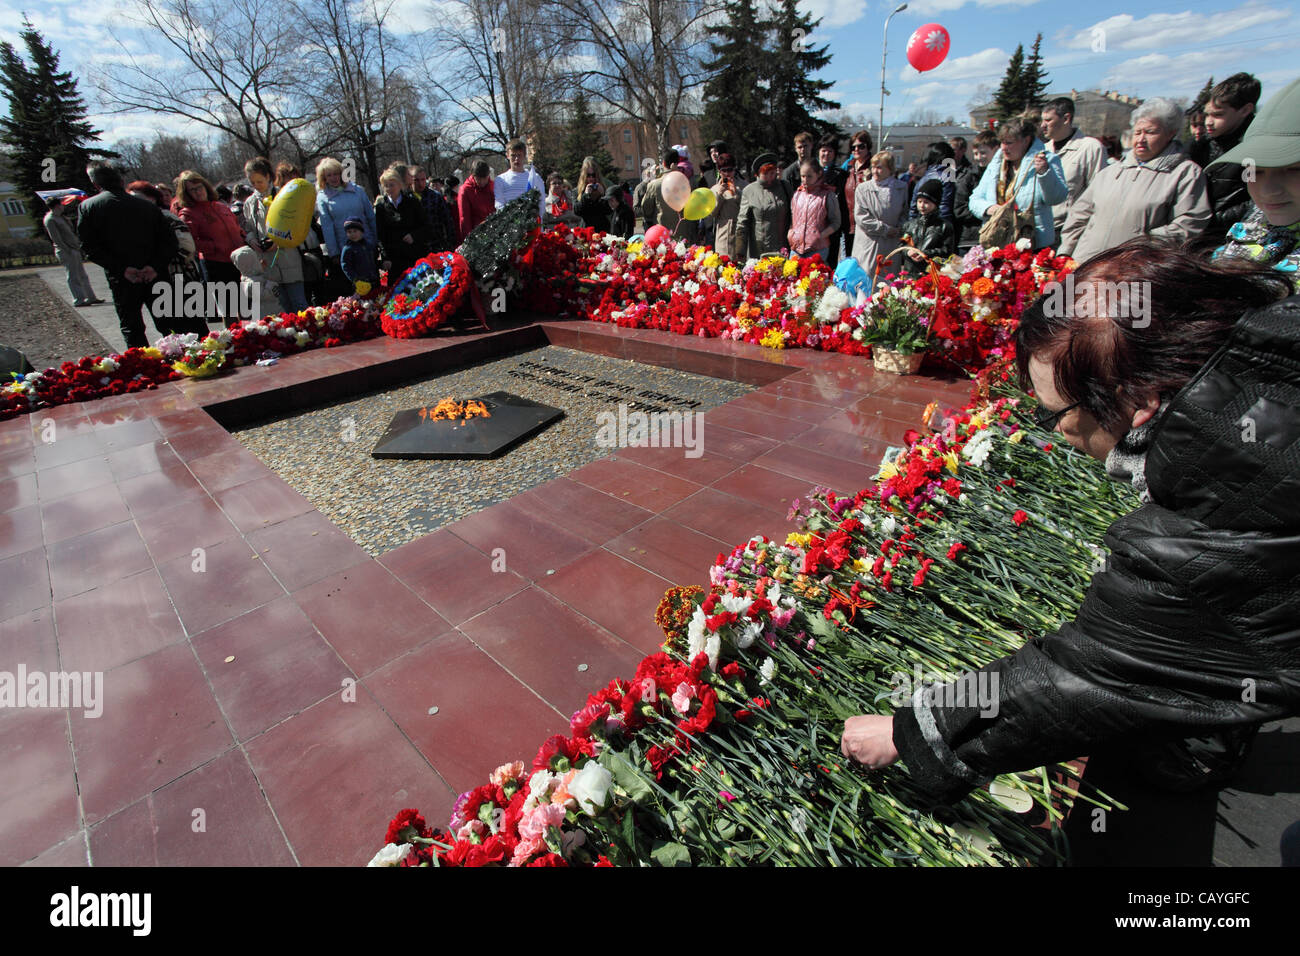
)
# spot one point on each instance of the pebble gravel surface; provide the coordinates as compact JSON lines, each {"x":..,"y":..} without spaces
{"x":383,"y":503}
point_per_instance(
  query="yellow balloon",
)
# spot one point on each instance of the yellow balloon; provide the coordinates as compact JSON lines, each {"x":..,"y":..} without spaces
{"x":701,"y":204}
{"x":289,"y":217}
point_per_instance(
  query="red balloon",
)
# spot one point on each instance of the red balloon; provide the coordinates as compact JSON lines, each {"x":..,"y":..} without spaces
{"x":927,"y":47}
{"x":657,"y":235}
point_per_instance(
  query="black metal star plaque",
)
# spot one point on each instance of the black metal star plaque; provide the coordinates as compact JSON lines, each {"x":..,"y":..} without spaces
{"x":512,"y":419}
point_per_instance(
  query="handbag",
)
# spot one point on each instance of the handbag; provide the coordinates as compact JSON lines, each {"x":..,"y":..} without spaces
{"x":1008,"y":224}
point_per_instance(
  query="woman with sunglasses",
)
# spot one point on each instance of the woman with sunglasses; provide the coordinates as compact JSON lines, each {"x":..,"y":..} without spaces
{"x":1196,"y":403}
{"x":859,"y":172}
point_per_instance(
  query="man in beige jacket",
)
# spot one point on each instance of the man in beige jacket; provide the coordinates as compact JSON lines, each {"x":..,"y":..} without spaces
{"x":1156,"y":191}
{"x":1082,"y":157}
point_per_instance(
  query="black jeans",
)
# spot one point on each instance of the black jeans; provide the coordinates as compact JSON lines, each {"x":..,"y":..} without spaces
{"x":132,"y":299}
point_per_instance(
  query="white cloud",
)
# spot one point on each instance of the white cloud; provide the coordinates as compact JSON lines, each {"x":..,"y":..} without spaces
{"x":410,"y":16}
{"x":985,"y":63}
{"x":925,"y":8}
{"x":148,"y":60}
{"x":1159,"y":74}
{"x":1157,"y":30}
{"x":834,"y":13}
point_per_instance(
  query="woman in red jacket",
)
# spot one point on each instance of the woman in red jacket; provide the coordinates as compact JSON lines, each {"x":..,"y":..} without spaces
{"x":215,"y":229}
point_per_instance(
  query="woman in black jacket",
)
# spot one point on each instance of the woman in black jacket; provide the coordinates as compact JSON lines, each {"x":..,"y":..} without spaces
{"x":1189,"y":639}
{"x":400,"y":222}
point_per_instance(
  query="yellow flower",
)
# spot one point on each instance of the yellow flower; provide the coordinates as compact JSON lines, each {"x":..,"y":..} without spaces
{"x":151,"y":352}
{"x":730,"y":273}
{"x":773,"y":339}
{"x":950,"y":461}
{"x":1016,"y":438}
{"x":798,"y":540}
{"x":861,"y":566}
{"x":888,"y":470}
{"x":711,"y":261}
{"x":791,"y":268}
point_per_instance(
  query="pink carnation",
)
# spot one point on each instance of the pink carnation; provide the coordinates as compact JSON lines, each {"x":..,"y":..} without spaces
{"x":535,"y":823}
{"x":506,"y":772}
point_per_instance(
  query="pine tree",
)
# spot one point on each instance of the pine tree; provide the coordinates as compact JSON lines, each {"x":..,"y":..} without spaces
{"x":1033,"y":82}
{"x":1009,"y":99}
{"x":47,"y":120}
{"x":1203,"y":97}
{"x":734,"y":95}
{"x":793,"y":93}
{"x":582,"y":139}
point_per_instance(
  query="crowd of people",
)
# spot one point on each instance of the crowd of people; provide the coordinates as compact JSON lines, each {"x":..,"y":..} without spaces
{"x":140,"y":232}
{"x":1035,"y":177}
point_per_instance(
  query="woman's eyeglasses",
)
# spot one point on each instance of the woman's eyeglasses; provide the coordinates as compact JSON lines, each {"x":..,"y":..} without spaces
{"x":1047,"y":419}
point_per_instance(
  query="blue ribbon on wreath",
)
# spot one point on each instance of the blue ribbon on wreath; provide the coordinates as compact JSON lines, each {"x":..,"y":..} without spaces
{"x":414,"y":287}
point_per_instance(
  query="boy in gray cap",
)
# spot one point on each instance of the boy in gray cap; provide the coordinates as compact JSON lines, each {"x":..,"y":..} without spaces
{"x":1270,"y":232}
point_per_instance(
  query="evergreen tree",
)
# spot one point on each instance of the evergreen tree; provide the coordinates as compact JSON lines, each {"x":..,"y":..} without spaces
{"x":1202,"y":98}
{"x":1033,"y":82}
{"x":793,"y":92}
{"x":734,"y":95}
{"x":1009,"y":99}
{"x":582,"y":139}
{"x":46,"y":121}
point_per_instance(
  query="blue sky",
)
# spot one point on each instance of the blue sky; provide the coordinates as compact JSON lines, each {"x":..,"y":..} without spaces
{"x":1153,"y":48}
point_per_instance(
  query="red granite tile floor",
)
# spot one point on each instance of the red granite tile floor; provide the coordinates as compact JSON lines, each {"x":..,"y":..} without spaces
{"x":258,"y":666}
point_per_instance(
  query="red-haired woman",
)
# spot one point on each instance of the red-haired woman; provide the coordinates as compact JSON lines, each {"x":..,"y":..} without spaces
{"x":214,"y":227}
{"x":1192,"y":395}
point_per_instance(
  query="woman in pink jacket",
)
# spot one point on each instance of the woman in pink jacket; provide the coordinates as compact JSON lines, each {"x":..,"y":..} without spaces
{"x":214,"y":227}
{"x":814,"y":213}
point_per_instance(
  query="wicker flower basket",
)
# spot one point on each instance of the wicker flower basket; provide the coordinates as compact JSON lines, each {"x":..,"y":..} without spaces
{"x":896,"y":362}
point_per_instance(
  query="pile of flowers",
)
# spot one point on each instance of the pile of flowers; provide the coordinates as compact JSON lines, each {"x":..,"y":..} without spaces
{"x":781,"y":302}
{"x":176,"y":356}
{"x":724,"y":748}
{"x":431,"y":292}
{"x":134,"y":370}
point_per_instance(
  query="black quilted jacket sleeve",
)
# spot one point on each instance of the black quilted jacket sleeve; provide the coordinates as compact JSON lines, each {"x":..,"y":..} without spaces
{"x":1151,"y":655}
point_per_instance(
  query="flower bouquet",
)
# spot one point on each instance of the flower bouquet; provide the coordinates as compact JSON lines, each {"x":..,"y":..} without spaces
{"x":896,"y":324}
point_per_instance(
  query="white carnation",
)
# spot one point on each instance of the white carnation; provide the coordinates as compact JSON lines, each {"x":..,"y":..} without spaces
{"x":590,"y":785}
{"x":391,"y":855}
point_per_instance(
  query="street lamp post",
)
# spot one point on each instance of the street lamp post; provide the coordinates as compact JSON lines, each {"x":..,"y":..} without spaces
{"x":884,"y":92}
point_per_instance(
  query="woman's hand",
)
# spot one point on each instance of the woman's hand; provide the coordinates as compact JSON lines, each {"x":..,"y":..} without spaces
{"x":869,"y":739}
{"x":1040,"y":162}
{"x":407,"y":239}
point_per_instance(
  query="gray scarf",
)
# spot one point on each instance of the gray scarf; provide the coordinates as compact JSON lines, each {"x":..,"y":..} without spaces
{"x":1127,"y":461}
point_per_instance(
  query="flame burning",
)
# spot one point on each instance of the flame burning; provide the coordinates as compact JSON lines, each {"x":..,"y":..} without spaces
{"x":449,"y":409}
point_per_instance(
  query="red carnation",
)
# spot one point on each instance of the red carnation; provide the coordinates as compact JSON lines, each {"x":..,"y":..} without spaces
{"x":407,"y":825}
{"x":1019,"y":518}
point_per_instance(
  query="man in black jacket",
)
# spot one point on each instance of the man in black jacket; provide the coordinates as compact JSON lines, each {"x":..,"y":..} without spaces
{"x":131,"y":239}
{"x":1228,"y":114}
{"x":1189,"y":639}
